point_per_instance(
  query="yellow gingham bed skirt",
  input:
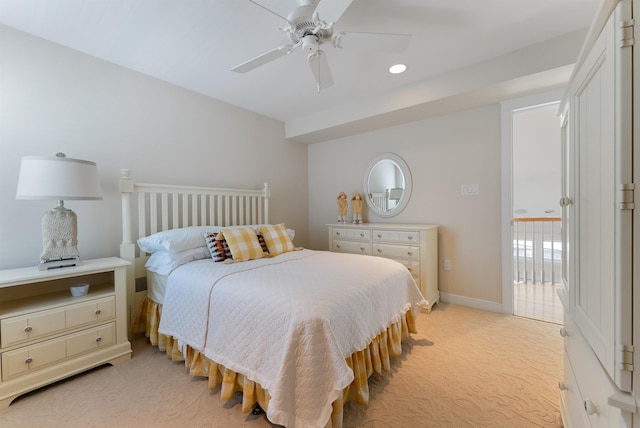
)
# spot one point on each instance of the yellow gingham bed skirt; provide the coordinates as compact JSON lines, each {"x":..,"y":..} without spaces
{"x":373,"y":359}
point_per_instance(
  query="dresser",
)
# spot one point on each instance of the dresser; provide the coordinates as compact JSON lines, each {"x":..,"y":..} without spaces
{"x":46,"y":334}
{"x":413,"y":245}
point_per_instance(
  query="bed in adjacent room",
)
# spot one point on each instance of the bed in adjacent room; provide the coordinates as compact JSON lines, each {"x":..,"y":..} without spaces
{"x":297,"y":331}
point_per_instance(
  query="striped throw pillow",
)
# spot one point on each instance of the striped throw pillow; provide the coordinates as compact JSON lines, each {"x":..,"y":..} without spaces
{"x":277,"y":239}
{"x":217,"y":247}
{"x":243,"y":243}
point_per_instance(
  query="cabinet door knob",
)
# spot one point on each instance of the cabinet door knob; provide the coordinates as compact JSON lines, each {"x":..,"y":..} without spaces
{"x":98,"y":311}
{"x":590,"y":407}
{"x":562,"y":386}
{"x":29,"y":360}
{"x":28,"y":329}
{"x":563,"y":332}
{"x":98,"y":339}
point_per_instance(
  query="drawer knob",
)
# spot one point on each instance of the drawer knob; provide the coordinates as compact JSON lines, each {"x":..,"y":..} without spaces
{"x":410,"y":253}
{"x":409,"y":269}
{"x":563,"y":332}
{"x":562,"y":386}
{"x":379,"y":235}
{"x":98,"y":311}
{"x":337,"y":245}
{"x":98,"y":339}
{"x":590,"y":407}
{"x":361,"y":248}
{"x":29,"y":360}
{"x":338,"y":233}
{"x":410,"y":238}
{"x":379,"y":250}
{"x":362,"y":235}
{"x":28,"y":329}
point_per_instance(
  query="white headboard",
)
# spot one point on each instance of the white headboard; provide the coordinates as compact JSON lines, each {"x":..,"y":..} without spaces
{"x":160,"y":207}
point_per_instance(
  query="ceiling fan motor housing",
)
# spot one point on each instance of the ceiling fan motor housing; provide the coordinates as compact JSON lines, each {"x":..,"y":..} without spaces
{"x":302,"y":24}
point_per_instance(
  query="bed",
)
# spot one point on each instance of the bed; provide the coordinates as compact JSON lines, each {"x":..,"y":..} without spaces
{"x":297,"y":331}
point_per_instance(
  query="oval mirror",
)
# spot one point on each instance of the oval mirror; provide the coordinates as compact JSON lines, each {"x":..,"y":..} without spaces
{"x":387,"y":185}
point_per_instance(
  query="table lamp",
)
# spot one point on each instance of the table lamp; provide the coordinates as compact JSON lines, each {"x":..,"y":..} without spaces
{"x":58,"y":178}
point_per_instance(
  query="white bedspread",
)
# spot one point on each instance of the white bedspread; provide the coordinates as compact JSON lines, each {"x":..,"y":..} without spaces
{"x":289,"y":322}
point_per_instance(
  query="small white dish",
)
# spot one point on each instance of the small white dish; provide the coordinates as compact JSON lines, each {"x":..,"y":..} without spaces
{"x":79,"y":290}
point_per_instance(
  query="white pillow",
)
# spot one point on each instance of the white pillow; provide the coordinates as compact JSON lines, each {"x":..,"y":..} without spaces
{"x":164,"y":262}
{"x":176,"y":240}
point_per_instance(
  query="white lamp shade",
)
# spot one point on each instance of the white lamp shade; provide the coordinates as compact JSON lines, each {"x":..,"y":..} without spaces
{"x":61,"y":178}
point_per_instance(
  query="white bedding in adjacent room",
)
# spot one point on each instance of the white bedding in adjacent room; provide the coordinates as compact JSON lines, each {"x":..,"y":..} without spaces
{"x":288,"y":322}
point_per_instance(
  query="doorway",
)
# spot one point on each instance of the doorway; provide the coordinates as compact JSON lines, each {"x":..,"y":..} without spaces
{"x":532,"y":245}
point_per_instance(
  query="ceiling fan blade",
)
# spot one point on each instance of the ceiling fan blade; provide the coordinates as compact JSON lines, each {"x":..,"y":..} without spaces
{"x":320,"y":68}
{"x":331,"y":10}
{"x":384,"y":42}
{"x":266,"y":57}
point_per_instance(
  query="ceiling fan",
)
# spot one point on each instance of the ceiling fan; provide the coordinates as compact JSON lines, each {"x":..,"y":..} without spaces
{"x":310,"y":25}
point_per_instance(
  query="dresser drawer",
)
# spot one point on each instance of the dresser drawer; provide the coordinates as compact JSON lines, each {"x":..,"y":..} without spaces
{"x":23,"y":328}
{"x":90,"y":312}
{"x":33,"y":357}
{"x":403,"y":252}
{"x":412,"y":266}
{"x":408,"y":236}
{"x":352,"y":247}
{"x":354,"y":233}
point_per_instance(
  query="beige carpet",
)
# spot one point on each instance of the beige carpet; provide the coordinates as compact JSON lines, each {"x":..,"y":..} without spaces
{"x":465,"y":368}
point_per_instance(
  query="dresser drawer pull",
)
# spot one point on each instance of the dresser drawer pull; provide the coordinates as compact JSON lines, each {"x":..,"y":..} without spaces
{"x":338,"y":233}
{"x":29,"y":360}
{"x":337,"y":245}
{"x":28,"y":329}
{"x":409,"y":269}
{"x":98,"y":339}
{"x":361,"y":248}
{"x":98,"y":312}
{"x":362,"y":235}
{"x":563,"y":332}
{"x":379,"y":235}
{"x":590,"y":407}
{"x":410,"y":253}
{"x":379,"y":250}
{"x":410,"y":238}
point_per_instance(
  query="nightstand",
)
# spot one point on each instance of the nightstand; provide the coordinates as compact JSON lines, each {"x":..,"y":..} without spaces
{"x":47,"y":335}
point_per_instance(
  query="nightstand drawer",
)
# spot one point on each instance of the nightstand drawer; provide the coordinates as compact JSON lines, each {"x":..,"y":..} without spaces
{"x":355,"y":233}
{"x":409,"y":236}
{"x":413,"y":266}
{"x":403,"y":252}
{"x":91,"y":312}
{"x":32,"y":357}
{"x":352,"y":247}
{"x":44,"y":323}
{"x":22,"y":328}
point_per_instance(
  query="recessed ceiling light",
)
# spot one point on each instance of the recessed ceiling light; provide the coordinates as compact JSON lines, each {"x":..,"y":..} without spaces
{"x":397,"y":69}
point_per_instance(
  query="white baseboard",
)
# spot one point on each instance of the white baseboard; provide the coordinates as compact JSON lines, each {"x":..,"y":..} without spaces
{"x":484,"y":305}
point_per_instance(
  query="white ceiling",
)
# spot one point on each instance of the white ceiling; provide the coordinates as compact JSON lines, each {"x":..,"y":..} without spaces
{"x":195,"y":43}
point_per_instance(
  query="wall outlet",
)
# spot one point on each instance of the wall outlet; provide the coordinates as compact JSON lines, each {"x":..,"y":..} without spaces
{"x":469,"y":189}
{"x":447,"y":265}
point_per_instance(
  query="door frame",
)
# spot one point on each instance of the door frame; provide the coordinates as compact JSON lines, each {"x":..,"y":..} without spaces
{"x":506,"y":212}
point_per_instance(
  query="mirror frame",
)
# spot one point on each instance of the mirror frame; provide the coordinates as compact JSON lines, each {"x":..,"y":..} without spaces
{"x":406,"y":195}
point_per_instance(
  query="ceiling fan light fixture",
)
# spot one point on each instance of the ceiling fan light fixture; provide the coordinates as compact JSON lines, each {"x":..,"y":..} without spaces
{"x":397,"y":69}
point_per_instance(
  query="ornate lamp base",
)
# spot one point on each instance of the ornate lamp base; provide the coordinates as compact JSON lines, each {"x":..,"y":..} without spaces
{"x":59,"y":238}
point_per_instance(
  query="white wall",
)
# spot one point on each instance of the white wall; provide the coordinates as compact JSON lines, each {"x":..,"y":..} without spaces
{"x":53,"y":99}
{"x":443,"y":153}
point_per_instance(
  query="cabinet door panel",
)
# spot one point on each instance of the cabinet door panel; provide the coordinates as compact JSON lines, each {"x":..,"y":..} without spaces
{"x":601,"y":289}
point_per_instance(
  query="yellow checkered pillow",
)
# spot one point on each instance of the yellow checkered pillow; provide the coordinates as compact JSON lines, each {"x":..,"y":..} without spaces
{"x":277,"y":239}
{"x":243,"y":243}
